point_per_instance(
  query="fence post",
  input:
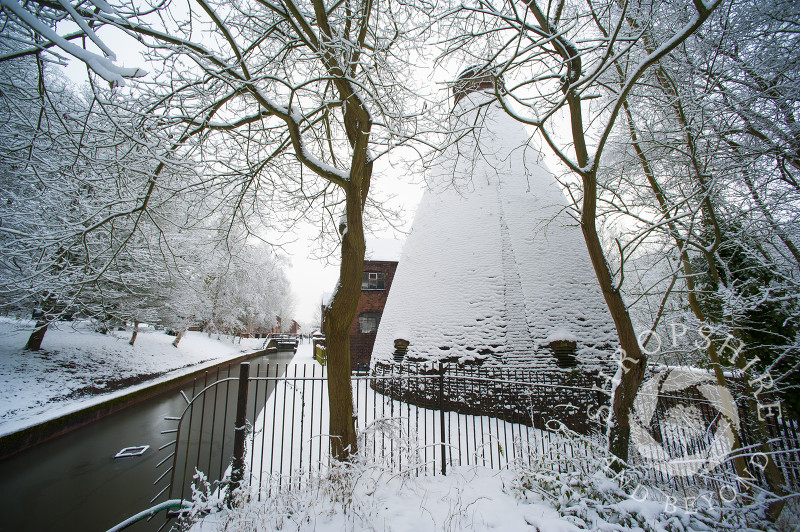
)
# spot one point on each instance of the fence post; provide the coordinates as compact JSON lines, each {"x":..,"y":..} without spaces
{"x":240,"y":429}
{"x":441,"y":417}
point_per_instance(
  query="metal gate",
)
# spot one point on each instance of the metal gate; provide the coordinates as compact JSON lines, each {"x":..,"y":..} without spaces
{"x":266,"y":426}
{"x":210,"y":440}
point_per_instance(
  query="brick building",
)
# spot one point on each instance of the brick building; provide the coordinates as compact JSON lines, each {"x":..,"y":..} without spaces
{"x":379,"y":268}
{"x":294,"y":327}
{"x":375,"y":285}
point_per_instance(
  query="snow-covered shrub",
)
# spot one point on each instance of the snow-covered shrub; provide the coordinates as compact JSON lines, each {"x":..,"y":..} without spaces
{"x":341,"y":483}
{"x":206,"y":497}
{"x":586,"y":491}
{"x":342,"y":497}
{"x":566,"y":486}
{"x":790,"y":515}
{"x":399,"y":448}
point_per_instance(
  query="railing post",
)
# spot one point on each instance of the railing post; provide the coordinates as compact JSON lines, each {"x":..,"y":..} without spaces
{"x":240,"y":429}
{"x":441,"y":417}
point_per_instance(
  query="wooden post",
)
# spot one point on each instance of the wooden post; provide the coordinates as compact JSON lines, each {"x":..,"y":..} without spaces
{"x":240,"y":431}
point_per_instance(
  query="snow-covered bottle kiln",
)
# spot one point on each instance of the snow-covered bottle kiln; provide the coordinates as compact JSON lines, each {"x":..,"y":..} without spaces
{"x":495,"y":273}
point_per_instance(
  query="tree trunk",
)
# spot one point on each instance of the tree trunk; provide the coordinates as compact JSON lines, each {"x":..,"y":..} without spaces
{"x":632,"y":361}
{"x":770,"y":219}
{"x":178,"y":338}
{"x":35,"y":340}
{"x":337,"y":331}
{"x":135,"y":333}
{"x":681,"y":248}
{"x":340,"y":394}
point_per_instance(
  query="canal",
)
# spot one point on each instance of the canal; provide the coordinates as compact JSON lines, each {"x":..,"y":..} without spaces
{"x":75,"y":483}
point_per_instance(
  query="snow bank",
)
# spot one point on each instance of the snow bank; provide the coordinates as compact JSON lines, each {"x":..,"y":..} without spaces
{"x":77,"y":365}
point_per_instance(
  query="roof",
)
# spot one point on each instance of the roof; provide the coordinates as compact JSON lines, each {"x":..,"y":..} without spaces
{"x":384,"y":249}
{"x":494,"y":266}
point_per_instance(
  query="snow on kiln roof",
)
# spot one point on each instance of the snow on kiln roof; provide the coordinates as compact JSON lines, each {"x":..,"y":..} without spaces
{"x":326,"y":298}
{"x":388,"y":249}
{"x":494,"y":267}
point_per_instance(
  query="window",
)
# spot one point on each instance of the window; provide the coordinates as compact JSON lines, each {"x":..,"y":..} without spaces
{"x":368,"y":322}
{"x":373,"y":281}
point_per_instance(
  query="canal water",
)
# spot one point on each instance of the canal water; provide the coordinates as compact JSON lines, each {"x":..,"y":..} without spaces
{"x":75,"y":483}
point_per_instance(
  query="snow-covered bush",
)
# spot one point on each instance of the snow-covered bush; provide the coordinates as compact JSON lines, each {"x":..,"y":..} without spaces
{"x":587,"y":492}
{"x":399,"y":450}
{"x":207,"y":497}
{"x":343,"y":496}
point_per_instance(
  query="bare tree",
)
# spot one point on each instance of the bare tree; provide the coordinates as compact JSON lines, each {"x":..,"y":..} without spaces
{"x":72,"y":235}
{"x":706,"y":149}
{"x":283,"y":104}
{"x":556,"y":58}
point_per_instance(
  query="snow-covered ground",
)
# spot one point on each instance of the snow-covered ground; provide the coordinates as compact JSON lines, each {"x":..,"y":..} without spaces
{"x":466,"y":499}
{"x":78,"y":367}
{"x":371,"y":496}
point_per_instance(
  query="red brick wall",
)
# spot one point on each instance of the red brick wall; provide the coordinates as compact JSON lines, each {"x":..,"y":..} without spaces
{"x":370,"y":301}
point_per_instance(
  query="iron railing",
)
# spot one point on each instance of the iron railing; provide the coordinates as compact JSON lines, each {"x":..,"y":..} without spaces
{"x":266,"y":427}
